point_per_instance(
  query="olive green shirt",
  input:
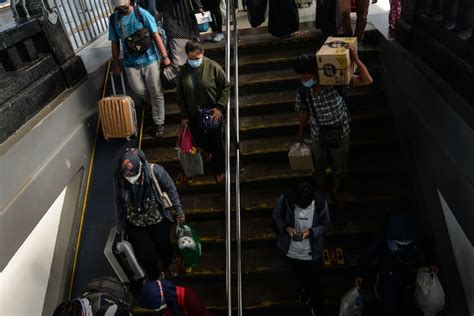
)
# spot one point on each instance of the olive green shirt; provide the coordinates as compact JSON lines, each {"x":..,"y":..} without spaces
{"x":203,"y":87}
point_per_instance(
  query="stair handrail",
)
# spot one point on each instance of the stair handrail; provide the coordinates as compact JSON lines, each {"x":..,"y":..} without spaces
{"x":228,"y":241}
{"x":237,"y":163}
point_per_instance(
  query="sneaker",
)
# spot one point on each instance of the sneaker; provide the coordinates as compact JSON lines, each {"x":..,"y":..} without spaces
{"x":160,"y":130}
{"x":465,"y":35}
{"x":449,"y":26}
{"x":218,"y":37}
{"x":210,"y":38}
{"x":304,"y":297}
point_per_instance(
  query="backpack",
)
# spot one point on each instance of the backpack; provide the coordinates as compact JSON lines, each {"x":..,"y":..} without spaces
{"x":109,"y":290}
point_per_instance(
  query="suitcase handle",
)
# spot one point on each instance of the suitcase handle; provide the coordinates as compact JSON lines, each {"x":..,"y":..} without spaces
{"x":114,"y":91}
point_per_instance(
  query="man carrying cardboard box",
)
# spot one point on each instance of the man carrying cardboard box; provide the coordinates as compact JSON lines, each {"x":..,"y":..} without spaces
{"x":326,"y":111}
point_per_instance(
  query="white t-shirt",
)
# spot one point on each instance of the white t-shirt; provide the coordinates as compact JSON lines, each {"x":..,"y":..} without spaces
{"x":301,"y":250}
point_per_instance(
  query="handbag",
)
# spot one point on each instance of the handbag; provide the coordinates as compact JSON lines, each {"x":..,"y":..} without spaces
{"x":330,"y":136}
{"x":206,"y":121}
{"x":164,"y":197}
{"x":205,"y":114}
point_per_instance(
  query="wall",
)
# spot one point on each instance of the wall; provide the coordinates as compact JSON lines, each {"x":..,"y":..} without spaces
{"x":28,"y":271}
{"x":47,"y":154}
{"x":437,"y":144}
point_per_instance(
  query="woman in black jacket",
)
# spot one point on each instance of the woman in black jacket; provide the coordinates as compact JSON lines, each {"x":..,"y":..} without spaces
{"x":141,"y":212}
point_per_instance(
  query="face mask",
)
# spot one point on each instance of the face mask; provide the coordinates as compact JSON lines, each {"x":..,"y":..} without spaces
{"x":134,"y":179}
{"x":309,"y":83}
{"x":122,"y":10}
{"x":195,"y":62}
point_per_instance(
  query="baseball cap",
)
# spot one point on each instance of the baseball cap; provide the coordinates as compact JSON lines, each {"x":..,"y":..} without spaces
{"x":119,"y":3}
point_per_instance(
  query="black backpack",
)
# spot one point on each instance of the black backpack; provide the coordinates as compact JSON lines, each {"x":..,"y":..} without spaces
{"x":107,"y":291}
{"x":140,"y":41}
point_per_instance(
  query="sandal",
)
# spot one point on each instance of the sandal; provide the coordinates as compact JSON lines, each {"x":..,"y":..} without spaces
{"x":220,"y":178}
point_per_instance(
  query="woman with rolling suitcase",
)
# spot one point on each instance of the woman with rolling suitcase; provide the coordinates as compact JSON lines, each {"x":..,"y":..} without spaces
{"x":144,"y":194}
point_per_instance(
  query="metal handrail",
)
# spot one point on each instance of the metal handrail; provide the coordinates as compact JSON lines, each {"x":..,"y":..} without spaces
{"x":228,"y":241}
{"x":237,"y":165}
{"x":230,"y":7}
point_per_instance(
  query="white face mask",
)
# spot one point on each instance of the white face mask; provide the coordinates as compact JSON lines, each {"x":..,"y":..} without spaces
{"x":134,"y":179}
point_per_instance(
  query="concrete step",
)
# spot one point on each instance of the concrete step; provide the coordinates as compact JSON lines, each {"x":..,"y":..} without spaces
{"x":278,"y":291}
{"x":277,"y":148}
{"x":256,"y":44}
{"x":260,"y":125}
{"x":276,"y":102}
{"x":278,"y":79}
{"x":260,"y":202}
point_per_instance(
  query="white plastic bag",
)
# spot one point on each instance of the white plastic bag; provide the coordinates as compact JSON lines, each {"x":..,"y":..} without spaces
{"x":429,"y":294}
{"x":223,"y":9}
{"x":351,"y":303}
{"x":300,"y":157}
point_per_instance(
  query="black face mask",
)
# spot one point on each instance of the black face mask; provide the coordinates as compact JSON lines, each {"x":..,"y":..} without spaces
{"x":122,"y":10}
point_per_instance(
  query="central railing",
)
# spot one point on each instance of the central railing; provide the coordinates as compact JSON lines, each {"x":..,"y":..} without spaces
{"x":228,"y":182}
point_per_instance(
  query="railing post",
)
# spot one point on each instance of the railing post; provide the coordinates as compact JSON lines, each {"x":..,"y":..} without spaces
{"x":228,"y":239}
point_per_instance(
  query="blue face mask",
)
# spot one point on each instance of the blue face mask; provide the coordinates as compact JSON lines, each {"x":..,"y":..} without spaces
{"x":309,"y":83}
{"x":195,"y":62}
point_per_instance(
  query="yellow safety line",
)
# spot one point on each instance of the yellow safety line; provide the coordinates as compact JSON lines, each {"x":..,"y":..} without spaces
{"x":76,"y":253}
{"x":141,"y":129}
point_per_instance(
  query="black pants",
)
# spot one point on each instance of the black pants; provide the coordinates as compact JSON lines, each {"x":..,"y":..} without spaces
{"x":465,"y":15}
{"x":211,"y":141}
{"x":214,"y":7}
{"x":308,"y":273}
{"x":396,"y":291}
{"x":150,"y":243}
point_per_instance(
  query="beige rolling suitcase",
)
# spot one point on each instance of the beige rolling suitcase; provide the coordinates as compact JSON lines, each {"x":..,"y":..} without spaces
{"x":117,"y":114}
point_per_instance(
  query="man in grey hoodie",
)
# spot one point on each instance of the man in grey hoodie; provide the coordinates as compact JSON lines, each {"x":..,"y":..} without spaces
{"x":300,"y":219}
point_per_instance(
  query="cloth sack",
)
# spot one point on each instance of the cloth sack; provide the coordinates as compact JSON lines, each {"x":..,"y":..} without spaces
{"x":189,"y":245}
{"x":351,"y":303}
{"x":429,"y":294}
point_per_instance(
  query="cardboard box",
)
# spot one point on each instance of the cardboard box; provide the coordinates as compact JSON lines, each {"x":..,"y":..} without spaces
{"x":300,"y":157}
{"x":335,"y":66}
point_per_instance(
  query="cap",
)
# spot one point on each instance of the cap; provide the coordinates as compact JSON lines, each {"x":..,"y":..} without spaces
{"x":119,"y":3}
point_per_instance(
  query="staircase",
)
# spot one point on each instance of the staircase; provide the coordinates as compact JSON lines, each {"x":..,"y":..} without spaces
{"x":373,"y":187}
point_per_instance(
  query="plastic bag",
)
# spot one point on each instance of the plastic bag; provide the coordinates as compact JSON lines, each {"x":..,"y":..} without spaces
{"x":223,"y":9}
{"x":189,"y":245}
{"x":300,"y":157}
{"x":429,"y":294}
{"x":351,"y":303}
{"x":169,"y":76}
{"x":185,"y":140}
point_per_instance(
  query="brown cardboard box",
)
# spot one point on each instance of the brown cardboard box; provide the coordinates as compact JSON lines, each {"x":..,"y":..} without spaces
{"x":300,"y":157}
{"x":335,"y":66}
